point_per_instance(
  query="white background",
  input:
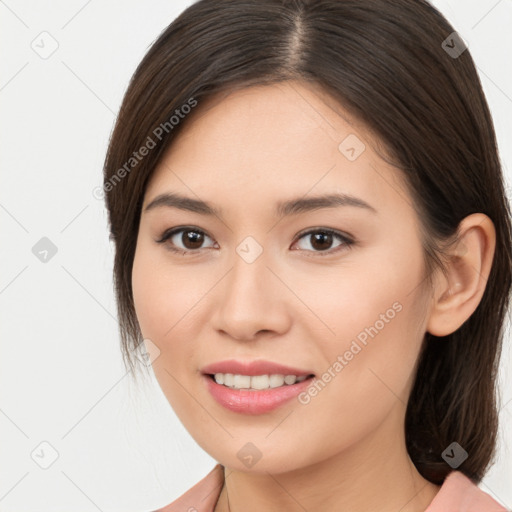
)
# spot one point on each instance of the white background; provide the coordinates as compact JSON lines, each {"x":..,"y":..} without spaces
{"x":121,"y":448}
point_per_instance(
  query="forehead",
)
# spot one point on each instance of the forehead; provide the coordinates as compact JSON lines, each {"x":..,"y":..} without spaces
{"x":275,"y":141}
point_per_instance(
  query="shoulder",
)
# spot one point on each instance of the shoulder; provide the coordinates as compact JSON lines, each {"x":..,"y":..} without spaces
{"x":460,"y":494}
{"x":202,"y":497}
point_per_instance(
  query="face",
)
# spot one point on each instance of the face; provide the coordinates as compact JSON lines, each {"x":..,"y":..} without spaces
{"x":330,"y":288}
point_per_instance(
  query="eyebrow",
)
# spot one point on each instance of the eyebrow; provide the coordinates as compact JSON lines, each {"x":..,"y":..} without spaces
{"x":283,"y":208}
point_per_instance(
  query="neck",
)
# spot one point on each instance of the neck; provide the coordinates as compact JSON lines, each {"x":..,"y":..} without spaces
{"x":376,"y":474}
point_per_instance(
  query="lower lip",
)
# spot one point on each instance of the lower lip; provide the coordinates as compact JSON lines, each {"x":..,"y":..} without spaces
{"x":254,"y":402}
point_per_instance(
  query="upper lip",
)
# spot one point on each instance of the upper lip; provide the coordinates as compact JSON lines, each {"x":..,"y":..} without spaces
{"x":259,"y":367}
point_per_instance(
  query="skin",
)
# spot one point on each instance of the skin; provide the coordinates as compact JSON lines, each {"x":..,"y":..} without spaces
{"x":244,"y":152}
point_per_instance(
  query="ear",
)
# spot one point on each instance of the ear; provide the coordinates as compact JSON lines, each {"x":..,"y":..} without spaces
{"x":457,"y":295}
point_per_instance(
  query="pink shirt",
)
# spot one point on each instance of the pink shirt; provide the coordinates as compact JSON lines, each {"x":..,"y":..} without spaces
{"x":457,"y":494}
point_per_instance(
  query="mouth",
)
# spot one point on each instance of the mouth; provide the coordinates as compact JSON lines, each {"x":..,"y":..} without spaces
{"x":257,"y":382}
{"x":255,"y":394}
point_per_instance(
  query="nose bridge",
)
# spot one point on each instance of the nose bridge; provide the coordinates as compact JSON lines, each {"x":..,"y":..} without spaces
{"x":247,"y":283}
{"x":248,"y":300}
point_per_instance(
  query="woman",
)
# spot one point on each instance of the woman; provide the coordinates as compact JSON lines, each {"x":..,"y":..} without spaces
{"x":313,"y":245}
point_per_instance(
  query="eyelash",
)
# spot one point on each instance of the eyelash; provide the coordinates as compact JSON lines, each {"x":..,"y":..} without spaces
{"x":347,"y":241}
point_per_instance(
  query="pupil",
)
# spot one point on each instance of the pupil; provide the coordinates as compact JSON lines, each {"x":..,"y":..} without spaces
{"x":192,"y":239}
{"x":322,"y":237}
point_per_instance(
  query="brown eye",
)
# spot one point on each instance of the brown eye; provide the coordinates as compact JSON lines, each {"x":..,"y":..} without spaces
{"x":192,"y":239}
{"x":321,"y":240}
{"x":184,"y":240}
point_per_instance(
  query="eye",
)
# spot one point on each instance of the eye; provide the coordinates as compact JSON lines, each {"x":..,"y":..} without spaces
{"x":320,"y":240}
{"x":188,"y":240}
{"x":191,"y":239}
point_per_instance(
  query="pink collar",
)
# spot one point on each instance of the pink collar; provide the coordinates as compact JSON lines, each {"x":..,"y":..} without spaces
{"x":457,"y":494}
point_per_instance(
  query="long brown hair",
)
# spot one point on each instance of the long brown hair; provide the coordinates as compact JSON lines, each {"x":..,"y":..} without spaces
{"x":386,"y":62}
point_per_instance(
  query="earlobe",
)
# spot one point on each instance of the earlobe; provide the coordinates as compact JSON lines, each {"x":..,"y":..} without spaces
{"x":458,"y":293}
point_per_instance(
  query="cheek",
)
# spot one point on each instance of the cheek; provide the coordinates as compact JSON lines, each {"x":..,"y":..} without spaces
{"x":157,"y":307}
{"x":164,"y":315}
{"x":148,"y":296}
{"x":169,"y":303}
{"x":164,"y":296}
{"x":368,"y":371}
{"x":375,"y":312}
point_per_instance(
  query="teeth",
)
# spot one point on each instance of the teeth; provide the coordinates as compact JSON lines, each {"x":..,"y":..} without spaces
{"x":256,"y":382}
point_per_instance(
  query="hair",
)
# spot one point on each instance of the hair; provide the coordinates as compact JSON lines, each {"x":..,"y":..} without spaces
{"x":384,"y":63}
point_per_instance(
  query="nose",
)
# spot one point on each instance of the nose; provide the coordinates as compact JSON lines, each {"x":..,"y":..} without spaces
{"x":251,"y":300}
